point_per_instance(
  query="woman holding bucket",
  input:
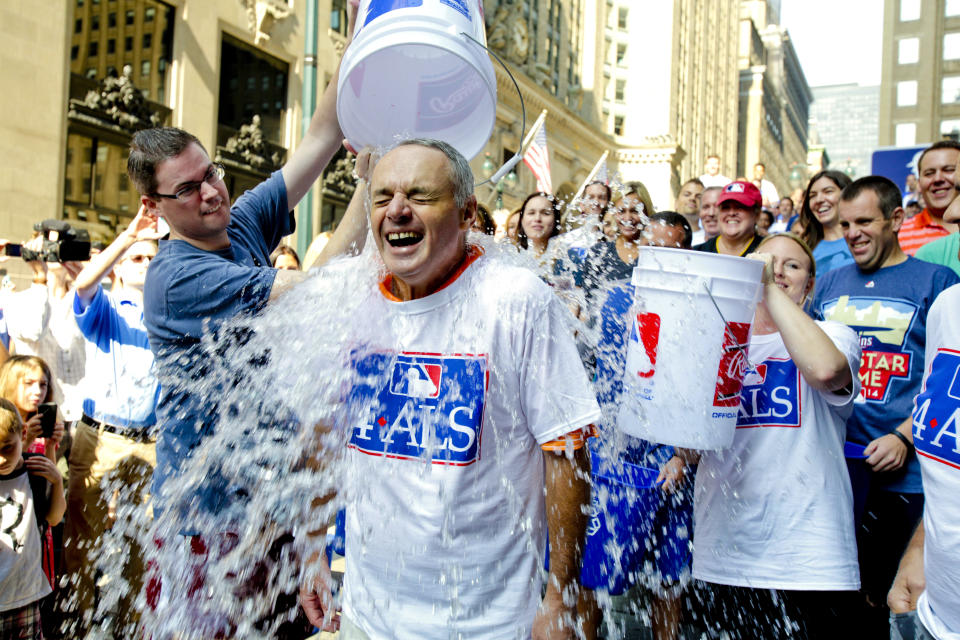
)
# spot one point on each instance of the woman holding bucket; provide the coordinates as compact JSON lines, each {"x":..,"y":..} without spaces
{"x":775,"y":546}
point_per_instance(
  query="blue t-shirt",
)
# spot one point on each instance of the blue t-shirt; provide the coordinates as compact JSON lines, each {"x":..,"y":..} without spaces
{"x":830,"y":254}
{"x":888,"y":310}
{"x":122,"y":386}
{"x":190,"y":292}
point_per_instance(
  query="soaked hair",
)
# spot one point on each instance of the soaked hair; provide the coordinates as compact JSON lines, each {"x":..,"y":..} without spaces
{"x":461,"y":176}
{"x":149,"y":148}
{"x":674,"y":219}
{"x":284,"y":250}
{"x":803,"y":245}
{"x":10,"y":422}
{"x":812,"y":227}
{"x":14,"y":370}
{"x":557,"y":212}
{"x":888,"y":194}
{"x":638,"y":189}
{"x":942,"y":144}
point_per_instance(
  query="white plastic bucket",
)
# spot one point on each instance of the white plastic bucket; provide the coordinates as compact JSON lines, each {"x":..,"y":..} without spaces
{"x":409,"y":73}
{"x":684,"y":366}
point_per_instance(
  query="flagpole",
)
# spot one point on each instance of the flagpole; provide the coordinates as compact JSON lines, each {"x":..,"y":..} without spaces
{"x":533,"y":131}
{"x":590,"y":176}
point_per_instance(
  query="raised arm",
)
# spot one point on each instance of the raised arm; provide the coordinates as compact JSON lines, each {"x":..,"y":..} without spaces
{"x":322,"y":138}
{"x":818,"y":359}
{"x":143,"y":227}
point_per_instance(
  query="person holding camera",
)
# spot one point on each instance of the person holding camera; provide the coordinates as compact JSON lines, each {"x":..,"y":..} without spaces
{"x":114,"y":447}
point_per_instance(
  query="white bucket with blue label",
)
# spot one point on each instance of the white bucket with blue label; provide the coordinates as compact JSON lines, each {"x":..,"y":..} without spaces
{"x":688,"y":334}
{"x":411,"y":73}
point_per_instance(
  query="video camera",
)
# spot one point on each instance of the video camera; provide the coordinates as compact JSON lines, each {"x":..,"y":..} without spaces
{"x":61,"y":243}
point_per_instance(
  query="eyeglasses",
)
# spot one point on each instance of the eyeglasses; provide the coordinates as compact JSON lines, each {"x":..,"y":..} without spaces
{"x":214,"y":175}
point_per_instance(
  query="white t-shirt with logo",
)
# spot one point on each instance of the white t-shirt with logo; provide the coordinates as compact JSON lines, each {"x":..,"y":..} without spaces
{"x":446,"y":524}
{"x":936,"y":435}
{"x":21,"y":569}
{"x":775,"y":510}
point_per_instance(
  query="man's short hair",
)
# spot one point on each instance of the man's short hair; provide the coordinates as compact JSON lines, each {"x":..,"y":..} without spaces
{"x":10,"y":423}
{"x":461,"y":176}
{"x":695,"y":181}
{"x":674,"y":219}
{"x":602,"y":184}
{"x":787,"y":198}
{"x":149,"y":148}
{"x":943,"y":144}
{"x":708,"y":190}
{"x":760,"y":164}
{"x":888,"y":195}
{"x":712,"y":155}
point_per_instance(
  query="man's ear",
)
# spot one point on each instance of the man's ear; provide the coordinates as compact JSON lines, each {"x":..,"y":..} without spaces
{"x":469,"y":212}
{"x":896,"y":219}
{"x":150,"y":205}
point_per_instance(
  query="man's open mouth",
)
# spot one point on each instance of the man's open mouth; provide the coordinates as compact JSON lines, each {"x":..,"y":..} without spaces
{"x":404,"y":238}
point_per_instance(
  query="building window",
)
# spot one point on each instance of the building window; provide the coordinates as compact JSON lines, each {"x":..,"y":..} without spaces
{"x":112,"y":19}
{"x":145,"y":68}
{"x":128,"y":43}
{"x":950,"y":129}
{"x":621,"y":53}
{"x":908,"y":50}
{"x":258,"y":75}
{"x":338,"y":16}
{"x":148,"y":14}
{"x":94,"y":23}
{"x":950,"y":90}
{"x":618,"y":125}
{"x":78,"y":26}
{"x":79,"y":3}
{"x":93,"y":49}
{"x":147,"y":40}
{"x":952,"y":8}
{"x":951,"y":46}
{"x":909,"y":10}
{"x":622,"y":18}
{"x":620,"y":90}
{"x":907,"y":93}
{"x":111,"y":45}
{"x":906,"y":134}
{"x":130,"y":16}
{"x":74,"y":52}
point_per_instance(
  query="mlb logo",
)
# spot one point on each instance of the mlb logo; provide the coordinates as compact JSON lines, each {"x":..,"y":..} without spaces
{"x":734,"y":187}
{"x":644,"y":340}
{"x":416,"y":379}
{"x":756,"y":376}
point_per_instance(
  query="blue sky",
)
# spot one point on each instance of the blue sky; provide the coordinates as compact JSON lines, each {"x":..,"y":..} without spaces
{"x":837,"y":41}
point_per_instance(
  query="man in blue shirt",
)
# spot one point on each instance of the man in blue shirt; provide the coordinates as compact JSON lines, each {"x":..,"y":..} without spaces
{"x":885,"y":297}
{"x":113,"y":451}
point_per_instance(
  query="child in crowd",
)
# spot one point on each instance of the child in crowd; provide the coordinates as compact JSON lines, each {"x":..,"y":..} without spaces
{"x":31,"y":499}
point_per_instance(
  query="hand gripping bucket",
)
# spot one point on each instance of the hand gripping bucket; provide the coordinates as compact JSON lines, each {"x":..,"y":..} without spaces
{"x":409,"y":73}
{"x":624,"y":500}
{"x":687,"y":345}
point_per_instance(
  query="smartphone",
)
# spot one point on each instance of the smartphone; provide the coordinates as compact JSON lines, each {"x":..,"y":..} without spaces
{"x":12,"y":250}
{"x":48,"y":418}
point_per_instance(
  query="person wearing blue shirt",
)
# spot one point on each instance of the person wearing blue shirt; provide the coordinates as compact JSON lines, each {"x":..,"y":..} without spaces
{"x":113,"y":451}
{"x":885,"y":297}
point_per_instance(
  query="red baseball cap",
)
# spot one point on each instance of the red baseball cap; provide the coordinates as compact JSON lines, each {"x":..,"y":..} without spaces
{"x":745,"y":193}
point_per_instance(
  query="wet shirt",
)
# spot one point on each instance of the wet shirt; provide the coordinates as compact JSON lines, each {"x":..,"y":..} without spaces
{"x":830,"y":254}
{"x":188,"y":294}
{"x":775,"y":510}
{"x":445,"y":492}
{"x":888,"y":309}
{"x":122,"y":387}
{"x":936,"y":435}
{"x":22,"y":580}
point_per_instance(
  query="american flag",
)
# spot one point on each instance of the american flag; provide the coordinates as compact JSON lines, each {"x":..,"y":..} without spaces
{"x":537,"y":158}
{"x":601,"y":174}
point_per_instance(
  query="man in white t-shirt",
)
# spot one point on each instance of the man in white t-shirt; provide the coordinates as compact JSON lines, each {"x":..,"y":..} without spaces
{"x":468,"y":443}
{"x":928,"y":581}
{"x":711,"y":173}
{"x":767,"y":190}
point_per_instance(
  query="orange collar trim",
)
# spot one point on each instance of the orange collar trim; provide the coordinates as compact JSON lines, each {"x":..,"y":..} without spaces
{"x":473,"y":252}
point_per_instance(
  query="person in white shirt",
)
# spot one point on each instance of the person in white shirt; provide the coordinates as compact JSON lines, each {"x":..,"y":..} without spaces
{"x":767,"y":191}
{"x":775,"y":547}
{"x":471,"y":446}
{"x":711,"y":173}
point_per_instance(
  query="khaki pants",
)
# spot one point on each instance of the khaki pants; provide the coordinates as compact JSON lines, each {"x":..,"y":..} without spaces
{"x":105,"y":466}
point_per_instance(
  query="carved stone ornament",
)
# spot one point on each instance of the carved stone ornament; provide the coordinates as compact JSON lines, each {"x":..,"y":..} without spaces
{"x":249,"y":145}
{"x":340,"y":179}
{"x":262,"y":15}
{"x":120,"y":101}
{"x":507,"y":32}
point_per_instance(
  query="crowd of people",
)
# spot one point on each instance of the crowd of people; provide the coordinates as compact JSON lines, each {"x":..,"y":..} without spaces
{"x":484,"y":388}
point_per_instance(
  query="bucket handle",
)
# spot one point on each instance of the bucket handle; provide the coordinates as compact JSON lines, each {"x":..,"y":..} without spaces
{"x":726,"y":324}
{"x":515,"y":160}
